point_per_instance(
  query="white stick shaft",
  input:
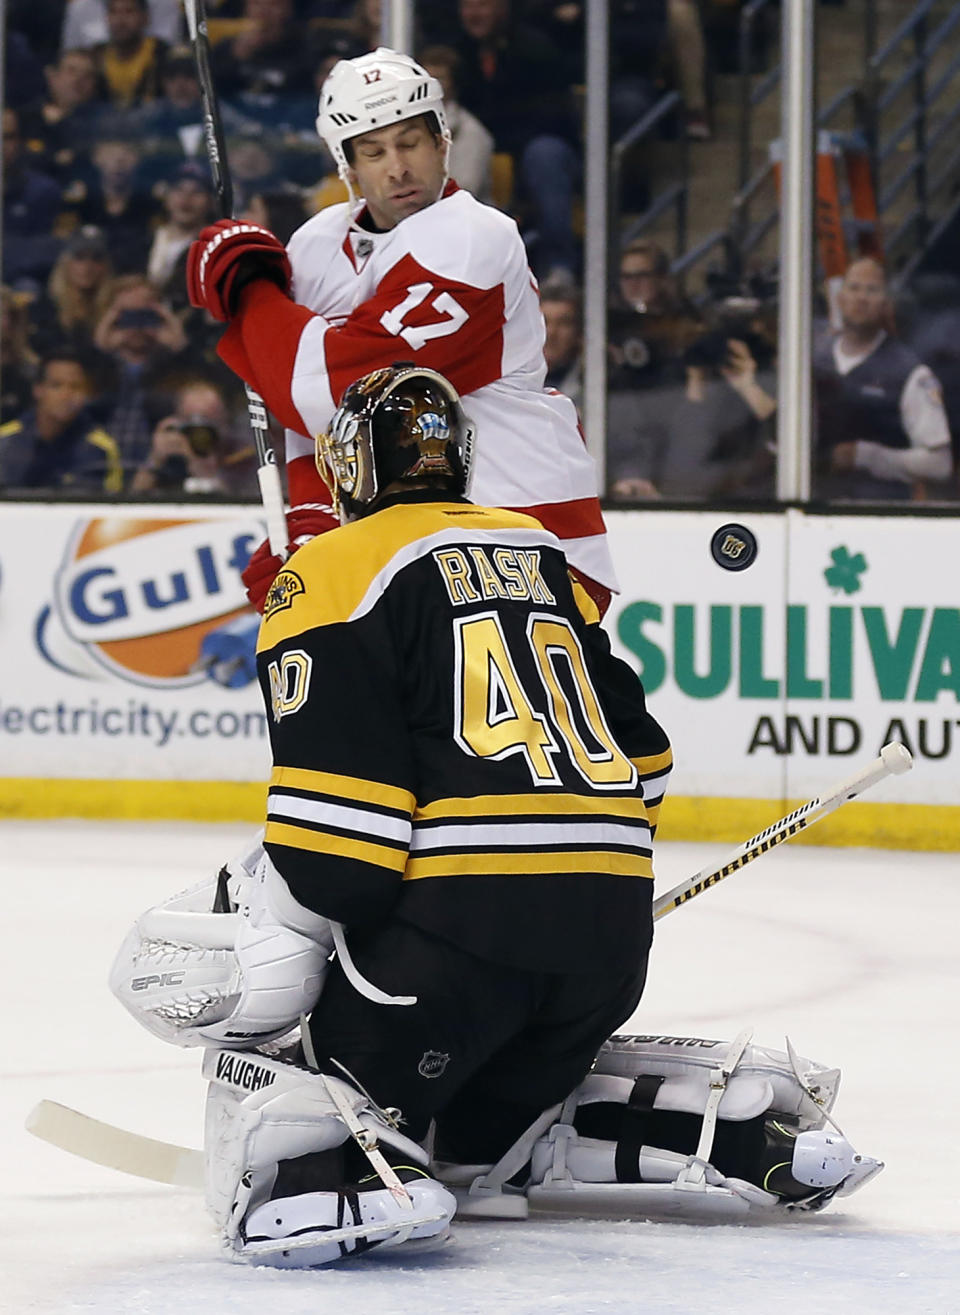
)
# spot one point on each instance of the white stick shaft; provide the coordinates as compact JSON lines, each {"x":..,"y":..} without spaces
{"x":893,"y":760}
{"x":271,"y":492}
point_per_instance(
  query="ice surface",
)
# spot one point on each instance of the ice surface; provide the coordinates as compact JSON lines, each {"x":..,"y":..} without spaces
{"x":853,"y":954}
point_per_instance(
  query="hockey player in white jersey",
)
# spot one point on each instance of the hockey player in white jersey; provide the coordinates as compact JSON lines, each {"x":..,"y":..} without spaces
{"x":413,"y":269}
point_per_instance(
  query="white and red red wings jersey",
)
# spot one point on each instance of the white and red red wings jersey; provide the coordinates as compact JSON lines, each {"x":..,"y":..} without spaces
{"x":449,"y":288}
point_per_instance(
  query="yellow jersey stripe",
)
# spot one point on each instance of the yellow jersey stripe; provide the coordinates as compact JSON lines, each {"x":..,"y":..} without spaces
{"x":585,"y":604}
{"x":539,"y":864}
{"x":509,"y":805}
{"x":655,"y":763}
{"x":344,"y":787}
{"x":352,"y":561}
{"x":326,"y":842}
{"x":113,"y":481}
{"x":653,"y":815}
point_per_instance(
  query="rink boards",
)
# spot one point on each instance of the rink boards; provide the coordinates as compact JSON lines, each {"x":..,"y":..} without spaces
{"x":772,"y":681}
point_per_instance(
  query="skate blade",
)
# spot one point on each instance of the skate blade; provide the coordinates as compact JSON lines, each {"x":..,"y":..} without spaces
{"x":269,"y":1246}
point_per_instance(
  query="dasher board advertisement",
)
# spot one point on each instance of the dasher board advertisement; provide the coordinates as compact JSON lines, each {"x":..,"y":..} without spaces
{"x":842,"y":635}
{"x":128,"y":656}
{"x":128,"y":644}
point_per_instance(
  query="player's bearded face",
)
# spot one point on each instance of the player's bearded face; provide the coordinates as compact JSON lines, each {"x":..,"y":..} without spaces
{"x":399,"y":170}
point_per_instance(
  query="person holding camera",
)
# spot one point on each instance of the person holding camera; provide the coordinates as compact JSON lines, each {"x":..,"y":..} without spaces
{"x":711,"y":438}
{"x":189,"y":449}
{"x":146,"y":345}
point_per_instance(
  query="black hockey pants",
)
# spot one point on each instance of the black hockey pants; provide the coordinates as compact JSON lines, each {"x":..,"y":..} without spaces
{"x":485,"y":1049}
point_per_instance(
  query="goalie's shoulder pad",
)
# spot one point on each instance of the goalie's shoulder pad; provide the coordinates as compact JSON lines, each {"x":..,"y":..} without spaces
{"x":764,"y":1079}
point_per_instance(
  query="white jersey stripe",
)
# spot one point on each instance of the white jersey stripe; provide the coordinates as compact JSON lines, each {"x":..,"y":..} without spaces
{"x":342,"y":816}
{"x":532,"y":835}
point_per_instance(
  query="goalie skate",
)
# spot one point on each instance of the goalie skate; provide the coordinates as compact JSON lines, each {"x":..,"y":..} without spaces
{"x":319,"y":1228}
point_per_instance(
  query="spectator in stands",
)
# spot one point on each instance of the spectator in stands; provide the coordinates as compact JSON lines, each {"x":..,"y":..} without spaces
{"x":171,"y":127}
{"x":651,"y":324}
{"x":22,"y":71}
{"x":188,"y":207}
{"x":188,"y":448}
{"x":365,"y":25}
{"x":62,"y":126}
{"x":76,"y":296}
{"x":512,"y":78}
{"x":149,"y":352}
{"x":709,"y":437}
{"x":18,"y":360}
{"x":563,"y":345}
{"x":31,"y":204}
{"x":281,"y":211}
{"x":882,"y":431}
{"x":256,"y":163}
{"x":636,"y":51}
{"x":85,"y":23}
{"x":55,"y":445}
{"x":129,"y":60}
{"x":117,"y":201}
{"x":266,"y":70}
{"x":931,"y":308}
{"x":688,"y":53}
{"x":471,"y":149}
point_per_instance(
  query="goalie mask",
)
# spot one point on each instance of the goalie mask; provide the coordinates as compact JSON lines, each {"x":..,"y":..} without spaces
{"x":402,"y":423}
{"x":374,"y":91}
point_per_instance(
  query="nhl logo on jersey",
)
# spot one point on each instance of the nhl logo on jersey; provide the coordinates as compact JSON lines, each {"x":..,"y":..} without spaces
{"x":283,"y":591}
{"x":433,"y":1063}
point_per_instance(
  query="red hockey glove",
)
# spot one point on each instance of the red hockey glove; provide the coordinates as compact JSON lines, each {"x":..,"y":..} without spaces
{"x":226,"y":257}
{"x":303,"y":524}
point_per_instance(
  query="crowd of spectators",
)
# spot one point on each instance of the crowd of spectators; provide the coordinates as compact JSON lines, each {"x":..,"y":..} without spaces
{"x":105,"y":184}
{"x":114,"y":379}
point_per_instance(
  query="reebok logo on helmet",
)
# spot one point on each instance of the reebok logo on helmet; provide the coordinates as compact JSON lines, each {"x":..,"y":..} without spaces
{"x":381,"y":100}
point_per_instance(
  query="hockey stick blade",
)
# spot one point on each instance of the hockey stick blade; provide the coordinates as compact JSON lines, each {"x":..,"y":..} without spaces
{"x":894,"y":760}
{"x":113,"y":1147}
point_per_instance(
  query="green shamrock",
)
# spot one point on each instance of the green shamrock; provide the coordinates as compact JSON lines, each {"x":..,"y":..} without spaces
{"x":846,"y":570}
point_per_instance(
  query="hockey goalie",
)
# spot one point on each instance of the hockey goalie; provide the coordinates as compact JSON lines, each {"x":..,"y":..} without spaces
{"x":407,"y":988}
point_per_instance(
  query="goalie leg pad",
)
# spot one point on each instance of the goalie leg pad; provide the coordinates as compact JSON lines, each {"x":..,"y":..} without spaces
{"x":281,"y":1168}
{"x":683,"y":1127}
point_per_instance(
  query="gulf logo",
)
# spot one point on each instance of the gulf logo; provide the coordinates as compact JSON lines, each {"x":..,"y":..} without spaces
{"x":138,"y":595}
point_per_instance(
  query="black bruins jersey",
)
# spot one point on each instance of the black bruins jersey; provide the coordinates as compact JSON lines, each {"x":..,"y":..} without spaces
{"x":454,"y":745}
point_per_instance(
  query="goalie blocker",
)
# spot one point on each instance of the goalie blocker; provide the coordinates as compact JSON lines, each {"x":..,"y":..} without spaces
{"x":676,"y":1126}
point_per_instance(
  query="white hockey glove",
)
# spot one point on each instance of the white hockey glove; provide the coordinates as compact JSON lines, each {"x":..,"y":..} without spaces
{"x":199,"y":977}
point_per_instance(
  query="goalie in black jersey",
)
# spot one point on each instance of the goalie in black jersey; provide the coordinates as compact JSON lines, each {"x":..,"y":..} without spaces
{"x":464,"y":776}
{"x":463,"y":801}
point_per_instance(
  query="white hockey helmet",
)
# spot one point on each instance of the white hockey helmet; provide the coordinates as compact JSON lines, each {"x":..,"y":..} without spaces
{"x":373,"y":91}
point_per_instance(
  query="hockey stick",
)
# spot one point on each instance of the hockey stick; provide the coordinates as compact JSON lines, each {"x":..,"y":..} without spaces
{"x":894,"y":759}
{"x":268,"y":475}
{"x":105,"y":1144}
{"x":144,"y":1157}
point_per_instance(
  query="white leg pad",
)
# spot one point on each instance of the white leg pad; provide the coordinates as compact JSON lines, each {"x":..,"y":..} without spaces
{"x":575,"y":1174}
{"x":261,"y":1111}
